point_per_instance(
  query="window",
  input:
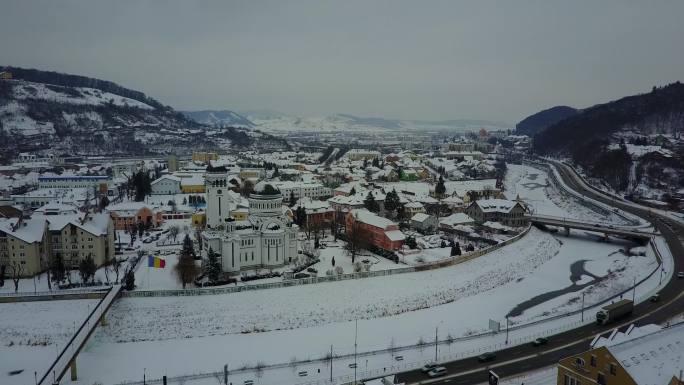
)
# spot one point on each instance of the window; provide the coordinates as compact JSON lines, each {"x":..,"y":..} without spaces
{"x":613,"y":369}
{"x":601,"y":379}
{"x":592,"y":361}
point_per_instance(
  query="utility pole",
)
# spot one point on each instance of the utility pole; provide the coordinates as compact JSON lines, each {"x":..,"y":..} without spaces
{"x":436,"y":343}
{"x":331,"y":361}
{"x":356,"y":332}
{"x":506,"y":330}
{"x":634,"y":290}
{"x":583,"y":306}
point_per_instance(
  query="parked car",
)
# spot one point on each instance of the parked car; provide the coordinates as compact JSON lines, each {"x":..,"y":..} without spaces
{"x":428,"y":367}
{"x":312,"y":270}
{"x":437,"y":372}
{"x":301,"y":275}
{"x":540,"y":341}
{"x":680,"y":275}
{"x":486,"y":357}
{"x":655,"y":297}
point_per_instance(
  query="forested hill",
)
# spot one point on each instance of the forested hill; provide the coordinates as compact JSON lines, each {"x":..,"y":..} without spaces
{"x":540,"y":121}
{"x":629,"y":142}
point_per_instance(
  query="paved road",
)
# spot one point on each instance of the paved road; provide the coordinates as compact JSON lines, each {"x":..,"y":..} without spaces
{"x":520,"y":359}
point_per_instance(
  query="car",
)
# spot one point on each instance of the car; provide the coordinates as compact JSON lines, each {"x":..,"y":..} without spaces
{"x":437,"y":372}
{"x":655,"y":297}
{"x":486,"y":357}
{"x":540,"y":341}
{"x":301,"y":275}
{"x":680,"y":275}
{"x":428,"y":367}
{"x":312,"y":270}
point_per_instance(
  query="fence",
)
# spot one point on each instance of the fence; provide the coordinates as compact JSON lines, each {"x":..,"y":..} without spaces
{"x":328,"y":278}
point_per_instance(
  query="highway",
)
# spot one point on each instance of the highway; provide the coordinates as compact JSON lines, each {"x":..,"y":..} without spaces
{"x":520,"y":359}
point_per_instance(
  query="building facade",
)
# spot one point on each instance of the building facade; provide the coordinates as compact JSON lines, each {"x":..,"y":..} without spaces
{"x":381,"y":232}
{"x":166,"y":184}
{"x":267,"y":239}
{"x":221,"y":200}
{"x":509,"y":213}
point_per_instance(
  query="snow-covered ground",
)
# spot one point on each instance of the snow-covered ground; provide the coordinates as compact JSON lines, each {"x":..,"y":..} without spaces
{"x":33,"y":333}
{"x":536,"y":190}
{"x":276,"y":325}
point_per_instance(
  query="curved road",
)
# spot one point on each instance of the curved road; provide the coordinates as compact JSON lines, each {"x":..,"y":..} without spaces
{"x":523,"y":358}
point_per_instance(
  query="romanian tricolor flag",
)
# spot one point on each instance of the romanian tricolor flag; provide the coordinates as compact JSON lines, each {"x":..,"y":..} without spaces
{"x":156,"y":262}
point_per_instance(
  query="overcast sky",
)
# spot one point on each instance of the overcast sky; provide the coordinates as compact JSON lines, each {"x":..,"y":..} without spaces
{"x":398,"y":59}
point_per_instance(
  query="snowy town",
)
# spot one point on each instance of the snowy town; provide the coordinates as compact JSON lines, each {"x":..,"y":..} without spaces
{"x":338,"y":194}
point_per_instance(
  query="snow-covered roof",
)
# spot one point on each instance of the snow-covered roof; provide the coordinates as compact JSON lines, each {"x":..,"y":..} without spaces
{"x":395,"y":235}
{"x":29,"y":230}
{"x":420,"y":217}
{"x":57,"y":208}
{"x":372,"y":219}
{"x":129,"y":208}
{"x":496,"y":205}
{"x":167,"y":177}
{"x":414,"y":205}
{"x":652,"y":359}
{"x":96,"y":224}
{"x":313,"y":206}
{"x":456,"y":219}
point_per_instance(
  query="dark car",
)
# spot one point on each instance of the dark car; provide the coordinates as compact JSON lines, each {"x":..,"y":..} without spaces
{"x":540,"y":341}
{"x":301,"y":275}
{"x":655,"y":297}
{"x":312,"y":270}
{"x":486,"y":357}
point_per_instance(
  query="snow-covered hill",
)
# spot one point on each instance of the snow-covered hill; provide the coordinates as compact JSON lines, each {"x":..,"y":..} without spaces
{"x":219,"y":118}
{"x":344,"y":122}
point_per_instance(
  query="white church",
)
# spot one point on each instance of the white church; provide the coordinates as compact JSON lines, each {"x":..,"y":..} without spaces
{"x":267,"y":239}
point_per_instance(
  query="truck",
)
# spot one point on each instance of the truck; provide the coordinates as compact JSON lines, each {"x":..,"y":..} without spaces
{"x":614,"y":311}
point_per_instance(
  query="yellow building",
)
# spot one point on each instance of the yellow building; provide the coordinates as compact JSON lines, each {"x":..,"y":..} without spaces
{"x":24,"y":246}
{"x":204,"y":157}
{"x":649,"y":358}
{"x":199,"y":219}
{"x":5,"y":75}
{"x":240,"y":214}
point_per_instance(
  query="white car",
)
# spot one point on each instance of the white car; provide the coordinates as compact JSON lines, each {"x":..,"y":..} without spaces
{"x":437,"y":372}
{"x":680,"y":274}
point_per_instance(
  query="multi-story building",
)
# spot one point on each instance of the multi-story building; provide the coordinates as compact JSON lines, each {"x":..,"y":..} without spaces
{"x":100,"y":182}
{"x":267,"y":239}
{"x":318,"y":212}
{"x":312,"y":190}
{"x":23,"y":246}
{"x":361,"y":154}
{"x":509,"y":213}
{"x":653,"y":358}
{"x":31,"y":243}
{"x":381,"y":232}
{"x":204,"y":157}
{"x":76,"y":237}
{"x":166,"y":184}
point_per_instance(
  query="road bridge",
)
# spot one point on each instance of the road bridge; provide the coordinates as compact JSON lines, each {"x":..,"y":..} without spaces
{"x":605,"y":229}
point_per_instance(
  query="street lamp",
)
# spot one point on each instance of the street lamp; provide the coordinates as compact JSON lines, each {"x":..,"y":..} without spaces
{"x":506,"y":330}
{"x":583,"y":293}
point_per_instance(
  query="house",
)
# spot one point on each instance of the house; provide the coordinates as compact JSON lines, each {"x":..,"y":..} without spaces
{"x":646,"y":358}
{"x":318,"y":212}
{"x":302,"y":190}
{"x":382,"y":233}
{"x":128,"y":214}
{"x":413,"y":208}
{"x":509,"y":213}
{"x":191,"y":182}
{"x":449,"y":224}
{"x":424,"y":223}
{"x":5,"y":75}
{"x":361,"y":154}
{"x":166,"y":184}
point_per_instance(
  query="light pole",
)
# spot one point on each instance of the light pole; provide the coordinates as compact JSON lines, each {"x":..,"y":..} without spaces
{"x":506,"y":330}
{"x":583,"y":306}
{"x":661,"y":276}
{"x":356,"y":333}
{"x":634,"y":290}
{"x":436,"y":327}
{"x":331,"y":361}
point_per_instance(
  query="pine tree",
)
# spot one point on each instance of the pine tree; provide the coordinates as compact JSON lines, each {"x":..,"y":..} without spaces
{"x":129,"y":279}
{"x":440,"y":189}
{"x":370,"y":203}
{"x":293,"y":201}
{"x":352,"y":191}
{"x":392,"y":201}
{"x":188,"y":247}
{"x":213,"y":266}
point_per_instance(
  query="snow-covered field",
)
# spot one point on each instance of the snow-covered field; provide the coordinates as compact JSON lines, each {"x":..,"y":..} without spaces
{"x":276,"y":325}
{"x":535,"y":189}
{"x":32,"y":334}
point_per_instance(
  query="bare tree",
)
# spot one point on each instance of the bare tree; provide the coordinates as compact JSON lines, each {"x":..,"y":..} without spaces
{"x":357,"y":240}
{"x":116,"y":267}
{"x":16,"y":272}
{"x":247,"y":188}
{"x":173,"y":232}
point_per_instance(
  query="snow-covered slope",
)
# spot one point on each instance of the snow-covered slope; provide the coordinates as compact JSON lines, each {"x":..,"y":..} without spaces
{"x":219,"y":118}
